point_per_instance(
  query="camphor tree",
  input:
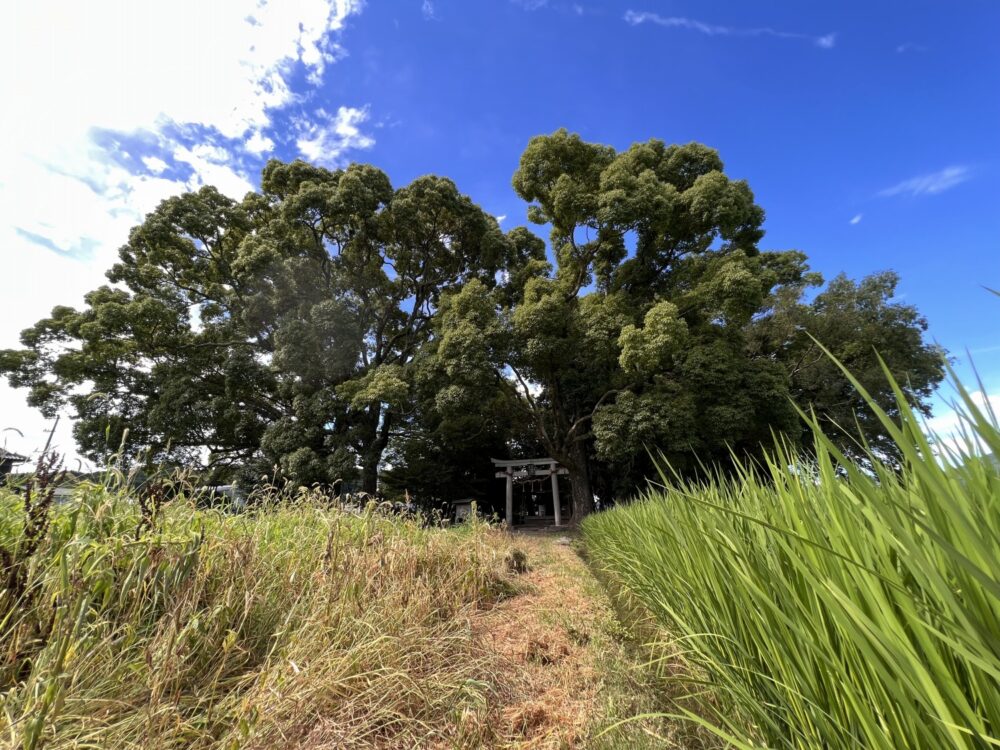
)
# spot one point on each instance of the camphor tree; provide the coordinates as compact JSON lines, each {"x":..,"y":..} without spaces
{"x":383,"y":259}
{"x":662,"y":326}
{"x":275,"y":330}
{"x":864,"y":327}
{"x":165,"y":354}
{"x":639,"y":332}
{"x":441,"y":447}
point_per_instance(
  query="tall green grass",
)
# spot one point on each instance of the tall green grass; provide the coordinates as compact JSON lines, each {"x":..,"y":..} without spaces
{"x":825,"y":604}
{"x":137,"y":627}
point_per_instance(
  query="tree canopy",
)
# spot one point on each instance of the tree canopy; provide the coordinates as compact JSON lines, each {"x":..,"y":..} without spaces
{"x":330,"y":321}
{"x":275,"y":330}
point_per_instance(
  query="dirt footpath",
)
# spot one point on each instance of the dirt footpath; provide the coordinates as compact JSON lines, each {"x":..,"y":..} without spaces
{"x":571,"y":667}
{"x":543,"y":637}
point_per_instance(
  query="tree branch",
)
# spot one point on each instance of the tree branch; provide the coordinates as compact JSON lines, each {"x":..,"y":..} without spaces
{"x":586,"y":417}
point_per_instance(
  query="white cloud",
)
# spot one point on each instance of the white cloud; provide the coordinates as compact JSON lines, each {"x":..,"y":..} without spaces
{"x":929,"y":184}
{"x":857,"y":219}
{"x":124,"y":65}
{"x":210,"y":166}
{"x":910,"y":47}
{"x":827,"y":41}
{"x":324,"y":138}
{"x":427,"y":9}
{"x":950,"y":429}
{"x":181,"y":79}
{"x":636,"y":18}
{"x":258,"y":143}
{"x":501,"y":218}
{"x":154,"y":164}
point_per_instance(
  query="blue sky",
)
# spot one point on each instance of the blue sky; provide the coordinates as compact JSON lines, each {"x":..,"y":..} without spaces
{"x":870,"y":132}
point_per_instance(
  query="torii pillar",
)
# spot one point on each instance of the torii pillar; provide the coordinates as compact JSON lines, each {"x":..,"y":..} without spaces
{"x":555,"y":496}
{"x":510,"y":496}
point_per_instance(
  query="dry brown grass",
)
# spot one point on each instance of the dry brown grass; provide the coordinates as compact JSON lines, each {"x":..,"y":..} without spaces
{"x":293,"y":627}
{"x":304,"y":627}
{"x":554,"y":676}
{"x":575,"y":677}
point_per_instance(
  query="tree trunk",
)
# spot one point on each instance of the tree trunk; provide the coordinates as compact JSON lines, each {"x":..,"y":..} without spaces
{"x":583,"y":497}
{"x":373,"y":456}
{"x":369,"y":472}
{"x":579,"y":477}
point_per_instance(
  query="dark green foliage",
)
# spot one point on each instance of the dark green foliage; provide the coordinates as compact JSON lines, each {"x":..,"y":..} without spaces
{"x":854,"y":321}
{"x":311,"y":327}
{"x":278,"y":330}
{"x":648,"y":331}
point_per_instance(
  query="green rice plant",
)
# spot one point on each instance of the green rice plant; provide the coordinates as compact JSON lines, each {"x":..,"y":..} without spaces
{"x":827,"y":604}
{"x":143,"y":623}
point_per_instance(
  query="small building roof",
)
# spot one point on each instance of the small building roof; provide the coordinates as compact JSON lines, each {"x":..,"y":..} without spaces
{"x":14,"y":458}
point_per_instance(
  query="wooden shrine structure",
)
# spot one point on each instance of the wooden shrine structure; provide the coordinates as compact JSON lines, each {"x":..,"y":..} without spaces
{"x":520,"y":469}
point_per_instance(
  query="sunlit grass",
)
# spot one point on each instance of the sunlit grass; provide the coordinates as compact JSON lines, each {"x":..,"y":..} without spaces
{"x":828,"y":605}
{"x":294,"y":624}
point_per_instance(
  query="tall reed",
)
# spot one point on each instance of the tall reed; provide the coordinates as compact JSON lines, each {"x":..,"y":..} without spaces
{"x":827,"y":604}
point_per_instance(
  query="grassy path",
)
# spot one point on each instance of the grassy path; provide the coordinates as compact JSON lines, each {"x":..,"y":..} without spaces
{"x":571,"y":669}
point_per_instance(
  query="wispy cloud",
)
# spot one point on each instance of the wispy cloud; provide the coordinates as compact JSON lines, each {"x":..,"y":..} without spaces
{"x":636,"y":18}
{"x":857,"y":219}
{"x":427,"y":9}
{"x":325,"y":137}
{"x":910,"y":47}
{"x":929,"y":184}
{"x":826,"y":41}
{"x":557,"y":6}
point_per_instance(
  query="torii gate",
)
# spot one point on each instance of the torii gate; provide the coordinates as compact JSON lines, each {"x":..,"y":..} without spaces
{"x":522,"y":468}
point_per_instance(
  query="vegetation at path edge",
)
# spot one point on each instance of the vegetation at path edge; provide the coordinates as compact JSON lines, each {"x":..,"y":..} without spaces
{"x":176,"y":627}
{"x":827,"y":605}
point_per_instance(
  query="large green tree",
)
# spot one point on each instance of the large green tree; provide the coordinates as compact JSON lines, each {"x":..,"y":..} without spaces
{"x":166,"y":353}
{"x":329,"y":318}
{"x":442,"y":446}
{"x":662,"y":325}
{"x":275,"y":330}
{"x":866,"y":328}
{"x":639,"y":331}
{"x":375,"y":262}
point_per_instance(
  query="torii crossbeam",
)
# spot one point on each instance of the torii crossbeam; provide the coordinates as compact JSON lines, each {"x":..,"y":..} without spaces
{"x":522,"y":468}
